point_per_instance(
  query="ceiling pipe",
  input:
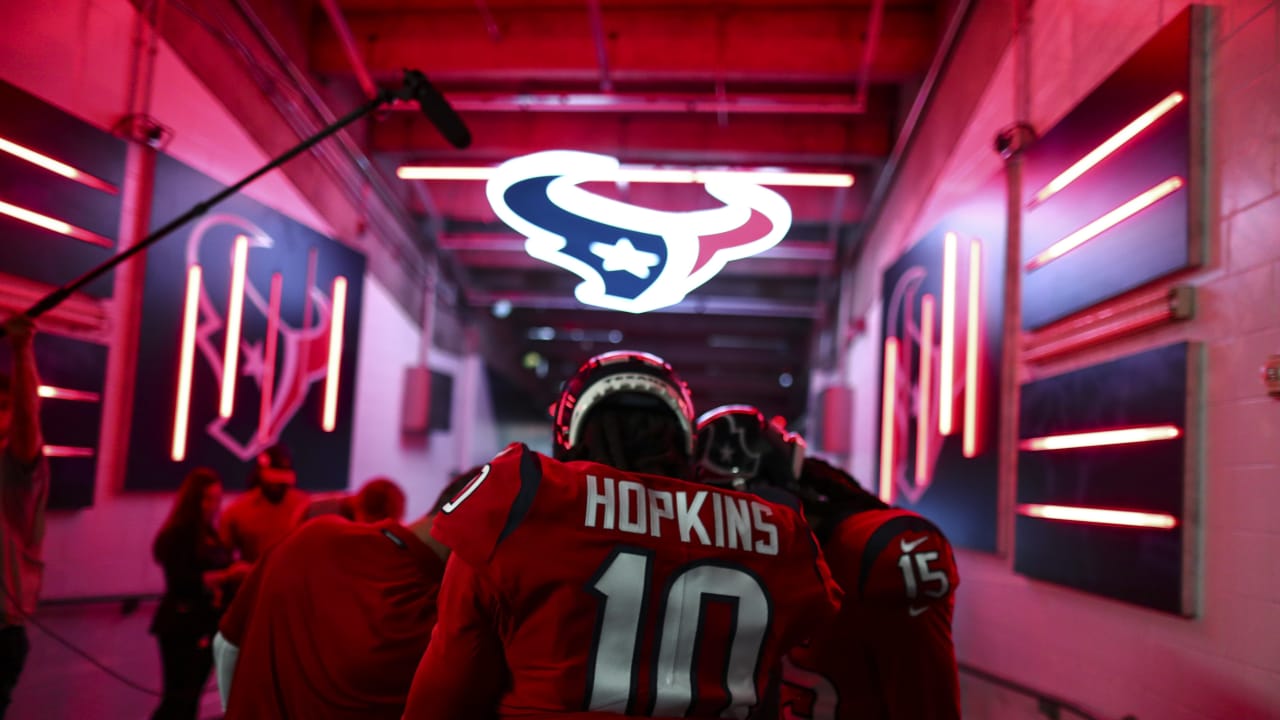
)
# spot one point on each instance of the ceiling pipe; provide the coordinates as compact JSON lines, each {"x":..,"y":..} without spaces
{"x":348,"y":40}
{"x":697,"y":305}
{"x":602,"y":54}
{"x":501,"y":243}
{"x":868,"y":52}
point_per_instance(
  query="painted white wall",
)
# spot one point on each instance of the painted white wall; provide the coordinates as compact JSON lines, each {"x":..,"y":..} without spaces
{"x":1106,"y":655}
{"x":389,"y":343}
{"x":76,"y":54}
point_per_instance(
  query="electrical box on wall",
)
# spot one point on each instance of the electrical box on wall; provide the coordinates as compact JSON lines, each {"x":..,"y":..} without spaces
{"x":837,"y":416}
{"x":415,"y":415}
{"x":1271,"y":376}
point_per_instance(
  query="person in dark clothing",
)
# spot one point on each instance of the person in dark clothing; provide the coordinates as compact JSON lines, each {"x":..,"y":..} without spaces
{"x":198,"y":573}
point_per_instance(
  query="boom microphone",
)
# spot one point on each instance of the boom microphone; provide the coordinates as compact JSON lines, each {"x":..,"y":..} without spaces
{"x":436,"y":108}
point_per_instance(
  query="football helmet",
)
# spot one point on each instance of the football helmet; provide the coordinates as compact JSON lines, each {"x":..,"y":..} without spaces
{"x":737,"y":447}
{"x":626,"y":378}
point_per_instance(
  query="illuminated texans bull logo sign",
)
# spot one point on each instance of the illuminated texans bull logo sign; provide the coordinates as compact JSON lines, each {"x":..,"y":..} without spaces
{"x":284,"y":363}
{"x":629,"y":257}
{"x":932,"y":370}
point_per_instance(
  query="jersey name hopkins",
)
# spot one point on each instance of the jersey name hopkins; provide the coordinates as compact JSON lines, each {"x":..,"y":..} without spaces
{"x":706,"y":517}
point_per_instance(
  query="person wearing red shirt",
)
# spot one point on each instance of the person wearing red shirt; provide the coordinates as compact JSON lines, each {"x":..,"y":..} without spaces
{"x":332,"y":621}
{"x":269,"y":510}
{"x":889,"y":654}
{"x":579,"y":589}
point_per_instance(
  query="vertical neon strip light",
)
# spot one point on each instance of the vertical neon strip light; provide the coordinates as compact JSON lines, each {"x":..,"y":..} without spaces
{"x":924,"y":390}
{"x":888,"y":409}
{"x":973,"y":351}
{"x":946,"y":373}
{"x":235,"y":310}
{"x":186,"y":358}
{"x":269,"y":358}
{"x":336,"y":322}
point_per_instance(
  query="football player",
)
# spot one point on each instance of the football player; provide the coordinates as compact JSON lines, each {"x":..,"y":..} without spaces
{"x":603,"y":583}
{"x":889,"y":654}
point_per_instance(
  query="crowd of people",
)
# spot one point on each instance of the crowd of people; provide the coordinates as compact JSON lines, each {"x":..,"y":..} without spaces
{"x":657,"y":564}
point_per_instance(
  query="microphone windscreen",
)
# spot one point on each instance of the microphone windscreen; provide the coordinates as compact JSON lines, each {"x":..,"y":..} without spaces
{"x":438,"y":110}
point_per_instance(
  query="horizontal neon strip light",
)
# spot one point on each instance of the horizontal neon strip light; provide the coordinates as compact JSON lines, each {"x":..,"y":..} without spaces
{"x":336,"y":322}
{"x":947,"y":372}
{"x":186,"y":357}
{"x":650,"y":175}
{"x":56,"y":167}
{"x":888,"y":411}
{"x":1100,"y":516}
{"x":924,"y":391}
{"x":57,"y":393}
{"x":1112,"y":144}
{"x":1105,"y":223}
{"x":54,"y":225}
{"x":1102,"y":438}
{"x":972,"y":351}
{"x":235,"y":311}
{"x":63,"y":451}
{"x":1129,"y":325}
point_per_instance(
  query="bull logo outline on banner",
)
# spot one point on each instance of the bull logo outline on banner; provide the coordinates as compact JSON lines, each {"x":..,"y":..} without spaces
{"x":630,"y":258}
{"x":302,"y":352}
{"x":903,"y":321}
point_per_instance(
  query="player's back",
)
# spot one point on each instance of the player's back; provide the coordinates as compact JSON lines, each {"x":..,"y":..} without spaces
{"x":889,"y":653}
{"x":636,"y":594}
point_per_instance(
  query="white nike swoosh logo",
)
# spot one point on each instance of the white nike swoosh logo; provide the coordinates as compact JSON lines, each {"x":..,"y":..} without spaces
{"x":909,"y":546}
{"x":917,"y":612}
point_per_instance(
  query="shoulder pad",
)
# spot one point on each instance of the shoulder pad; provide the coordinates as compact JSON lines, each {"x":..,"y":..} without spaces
{"x":893,"y":555}
{"x":491,"y":506}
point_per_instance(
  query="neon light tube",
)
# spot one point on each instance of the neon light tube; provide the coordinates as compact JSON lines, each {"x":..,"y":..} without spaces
{"x":1109,"y":146}
{"x":269,"y":357}
{"x":54,"y":225}
{"x":1130,"y":324}
{"x":1099,"y":516}
{"x":336,"y":322}
{"x":65,"y":451}
{"x":650,"y":175}
{"x":946,"y":374}
{"x":1105,"y":223}
{"x":1102,"y":438}
{"x":888,"y":409}
{"x":924,"y":390}
{"x":186,"y":357}
{"x":235,"y":312}
{"x":56,"y":167}
{"x":58,"y":393}
{"x":972,"y":351}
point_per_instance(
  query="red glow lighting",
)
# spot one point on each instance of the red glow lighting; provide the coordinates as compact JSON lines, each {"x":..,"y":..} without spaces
{"x":642,"y":174}
{"x":1105,"y":223}
{"x":57,"y":393}
{"x":946,"y":375}
{"x":1099,"y":516}
{"x":269,"y":357}
{"x":1109,"y":146}
{"x":1125,"y":316}
{"x":924,"y":418}
{"x":235,"y":312}
{"x":64,"y":451}
{"x":54,"y":225}
{"x":186,"y":358}
{"x":56,"y":167}
{"x":888,"y":410}
{"x":1102,"y":438}
{"x":972,"y":351}
{"x":336,"y":322}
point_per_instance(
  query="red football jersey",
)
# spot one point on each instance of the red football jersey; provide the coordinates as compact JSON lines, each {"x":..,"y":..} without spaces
{"x":889,"y":653}
{"x":331,"y":623}
{"x":575,"y":589}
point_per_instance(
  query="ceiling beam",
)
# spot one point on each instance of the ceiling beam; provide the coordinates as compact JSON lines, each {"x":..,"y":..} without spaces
{"x":693,"y":305}
{"x":711,"y":42}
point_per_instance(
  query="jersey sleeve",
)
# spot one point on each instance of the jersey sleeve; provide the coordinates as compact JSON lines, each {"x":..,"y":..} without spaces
{"x":235,"y":621}
{"x":463,"y":672}
{"x":487,"y":509}
{"x":894,"y":558}
{"x":915,"y":663}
